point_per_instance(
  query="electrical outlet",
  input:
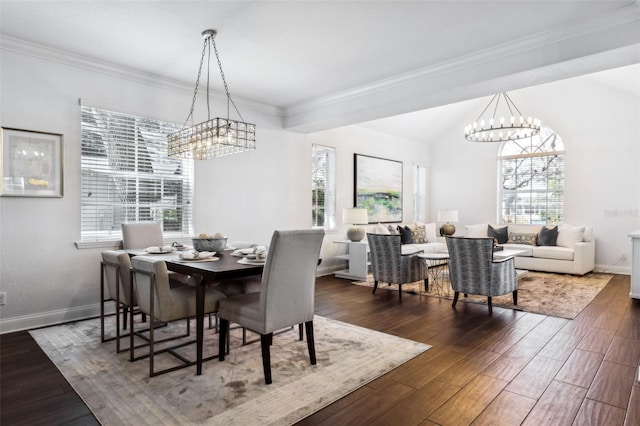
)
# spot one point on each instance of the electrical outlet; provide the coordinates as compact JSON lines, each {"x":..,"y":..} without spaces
{"x":3,"y":298}
{"x":623,"y":257}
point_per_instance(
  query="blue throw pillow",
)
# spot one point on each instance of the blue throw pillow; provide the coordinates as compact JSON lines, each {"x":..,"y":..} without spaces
{"x":500,"y":234}
{"x":548,"y":236}
{"x":406,"y":236}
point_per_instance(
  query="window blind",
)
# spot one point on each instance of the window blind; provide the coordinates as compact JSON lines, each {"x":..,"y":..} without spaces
{"x":532,"y":180}
{"x":126,"y":176}
{"x":323,"y":187}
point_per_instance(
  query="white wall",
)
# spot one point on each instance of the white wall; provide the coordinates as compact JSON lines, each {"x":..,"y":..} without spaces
{"x":600,"y":128}
{"x":48,"y":280}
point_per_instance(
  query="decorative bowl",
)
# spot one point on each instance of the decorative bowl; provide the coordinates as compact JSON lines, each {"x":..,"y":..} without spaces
{"x":209,"y":244}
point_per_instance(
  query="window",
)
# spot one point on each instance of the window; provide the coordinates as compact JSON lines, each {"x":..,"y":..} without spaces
{"x":531,"y":179}
{"x":127,"y":176}
{"x":323,"y":187}
{"x":420,"y":194}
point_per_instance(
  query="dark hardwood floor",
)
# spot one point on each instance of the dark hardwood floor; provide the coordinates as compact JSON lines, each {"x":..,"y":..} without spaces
{"x":510,"y":368}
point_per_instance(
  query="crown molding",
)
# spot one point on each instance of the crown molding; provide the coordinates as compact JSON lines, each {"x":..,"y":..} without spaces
{"x":625,"y":16}
{"x":64,"y":57}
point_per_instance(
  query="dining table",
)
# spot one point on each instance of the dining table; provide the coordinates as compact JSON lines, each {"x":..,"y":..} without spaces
{"x":204,"y":272}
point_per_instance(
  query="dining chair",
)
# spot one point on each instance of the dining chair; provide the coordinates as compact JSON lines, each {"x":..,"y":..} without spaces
{"x":390,"y":266}
{"x":286,"y":296}
{"x":140,"y":235}
{"x":165,"y":304}
{"x":115,"y":270}
{"x":472,"y":270}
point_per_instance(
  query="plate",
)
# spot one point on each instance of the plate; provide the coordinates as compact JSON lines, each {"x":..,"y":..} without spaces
{"x":206,"y":259}
{"x":160,"y":250}
{"x":246,"y":261}
{"x":201,"y":256}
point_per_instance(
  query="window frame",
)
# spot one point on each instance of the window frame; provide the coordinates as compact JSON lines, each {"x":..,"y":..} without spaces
{"x":328,"y":176}
{"x":546,"y":202}
{"x":126,"y":176}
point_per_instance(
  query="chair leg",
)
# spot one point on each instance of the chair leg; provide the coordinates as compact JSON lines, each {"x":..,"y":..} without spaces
{"x":222,"y":334}
{"x":265,"y":344}
{"x":310,"y":341}
{"x":515,"y":297}
{"x":375,"y":286}
{"x":490,"y":305}
{"x":125,"y":313}
{"x":399,"y":291}
{"x":300,"y":332}
{"x":455,"y":298}
{"x":426,"y":285}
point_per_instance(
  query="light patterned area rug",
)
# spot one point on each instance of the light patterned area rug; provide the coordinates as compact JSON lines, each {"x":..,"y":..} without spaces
{"x":232,"y":392}
{"x":557,"y":295}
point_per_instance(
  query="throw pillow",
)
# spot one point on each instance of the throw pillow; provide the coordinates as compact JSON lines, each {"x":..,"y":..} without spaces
{"x":500,"y":234}
{"x":518,"y":238}
{"x":392,"y":230}
{"x":418,"y":233}
{"x":431,"y":233}
{"x":548,"y":236}
{"x":477,"y":231}
{"x":405,"y":235}
{"x":381,"y":229}
{"x":569,"y":235}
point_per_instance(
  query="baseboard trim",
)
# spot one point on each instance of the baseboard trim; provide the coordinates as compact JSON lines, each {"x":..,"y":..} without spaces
{"x":45,"y":319}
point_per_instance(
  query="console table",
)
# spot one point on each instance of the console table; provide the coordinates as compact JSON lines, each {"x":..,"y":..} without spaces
{"x":358,"y":258}
{"x":635,"y":265}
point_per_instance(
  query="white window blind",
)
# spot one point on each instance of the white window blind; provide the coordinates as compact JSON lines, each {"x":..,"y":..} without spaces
{"x":127,"y":176}
{"x":323,"y":187}
{"x":531,"y":183}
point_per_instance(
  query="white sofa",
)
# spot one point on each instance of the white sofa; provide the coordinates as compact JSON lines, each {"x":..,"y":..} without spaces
{"x":431,"y":244}
{"x":574,"y":252}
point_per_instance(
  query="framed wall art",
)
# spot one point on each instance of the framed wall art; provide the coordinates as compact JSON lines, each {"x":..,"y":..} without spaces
{"x":31,"y":163}
{"x":378,"y":187}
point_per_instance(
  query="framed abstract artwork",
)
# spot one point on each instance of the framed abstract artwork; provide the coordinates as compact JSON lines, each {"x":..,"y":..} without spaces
{"x":378,"y":188}
{"x":31,"y":163}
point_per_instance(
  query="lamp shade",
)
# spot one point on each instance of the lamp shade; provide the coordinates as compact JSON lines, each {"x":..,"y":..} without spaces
{"x":355,"y":216}
{"x":448,"y":216}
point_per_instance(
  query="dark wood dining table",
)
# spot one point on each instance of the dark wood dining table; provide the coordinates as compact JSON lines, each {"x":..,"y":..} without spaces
{"x":204,"y":273}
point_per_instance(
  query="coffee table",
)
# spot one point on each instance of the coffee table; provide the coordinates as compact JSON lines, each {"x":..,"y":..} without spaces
{"x":437,"y":264}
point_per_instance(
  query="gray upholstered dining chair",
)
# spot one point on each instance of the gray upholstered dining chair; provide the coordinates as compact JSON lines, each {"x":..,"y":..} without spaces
{"x":115,"y":270}
{"x":390,"y":266}
{"x":140,"y":235}
{"x":163,"y":303}
{"x":472,"y":270}
{"x":286,"y":296}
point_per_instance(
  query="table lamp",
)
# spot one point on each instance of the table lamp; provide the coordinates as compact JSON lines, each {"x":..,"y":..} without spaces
{"x":355,"y":217}
{"x":447,"y":216}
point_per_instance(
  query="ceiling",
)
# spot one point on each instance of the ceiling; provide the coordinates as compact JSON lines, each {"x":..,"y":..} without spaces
{"x":323,"y":64}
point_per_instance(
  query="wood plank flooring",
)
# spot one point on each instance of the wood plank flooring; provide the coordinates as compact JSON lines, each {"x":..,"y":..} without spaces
{"x":510,"y":368}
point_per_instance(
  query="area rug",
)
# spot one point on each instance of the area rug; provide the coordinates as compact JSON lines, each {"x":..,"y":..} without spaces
{"x":556,"y":295}
{"x":120,"y":392}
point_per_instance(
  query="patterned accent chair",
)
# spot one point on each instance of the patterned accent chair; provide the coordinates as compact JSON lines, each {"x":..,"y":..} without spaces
{"x":389,"y":265}
{"x":472,"y":270}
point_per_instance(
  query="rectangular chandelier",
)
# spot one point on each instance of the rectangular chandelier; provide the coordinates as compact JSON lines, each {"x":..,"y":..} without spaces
{"x":212,"y":139}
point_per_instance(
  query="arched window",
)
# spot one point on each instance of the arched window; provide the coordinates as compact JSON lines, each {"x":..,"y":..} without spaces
{"x":531,"y":179}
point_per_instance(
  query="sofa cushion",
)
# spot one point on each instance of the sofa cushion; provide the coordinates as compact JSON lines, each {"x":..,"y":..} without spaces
{"x":522,"y":238}
{"x":569,"y":235}
{"x":381,"y":229}
{"x":418,"y":233}
{"x":406,"y":235}
{"x":557,"y":253}
{"x":526,"y":249}
{"x":477,"y":231}
{"x":393,"y":230}
{"x":430,"y":231}
{"x":500,"y":234}
{"x":548,"y":236}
